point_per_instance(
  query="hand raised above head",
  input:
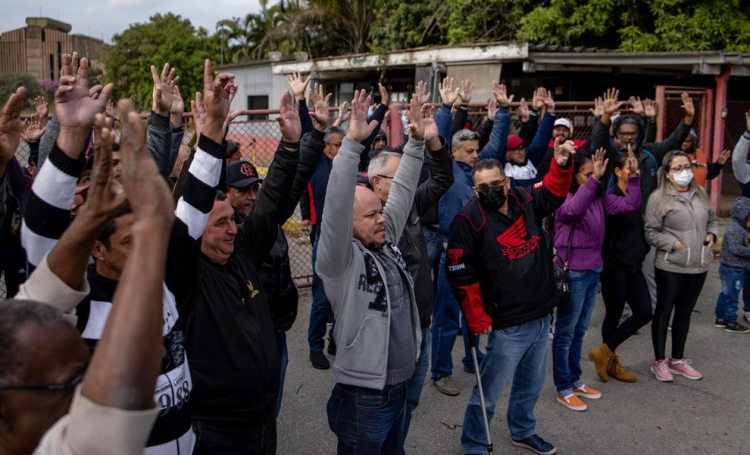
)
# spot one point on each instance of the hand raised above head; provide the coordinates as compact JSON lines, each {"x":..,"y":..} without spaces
{"x":288,"y":118}
{"x":11,"y":125}
{"x":162,"y":94}
{"x":359,"y":129}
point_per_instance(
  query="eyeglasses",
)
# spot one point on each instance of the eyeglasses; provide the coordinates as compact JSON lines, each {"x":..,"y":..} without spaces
{"x":684,"y":167}
{"x":385,"y":176}
{"x":46,"y":387}
{"x":627,"y":133}
{"x":482,"y":187}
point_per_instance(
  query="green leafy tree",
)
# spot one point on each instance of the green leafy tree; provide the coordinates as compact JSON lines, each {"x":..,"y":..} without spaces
{"x":10,"y":82}
{"x":491,"y":20}
{"x":402,"y":25}
{"x":164,"y":38}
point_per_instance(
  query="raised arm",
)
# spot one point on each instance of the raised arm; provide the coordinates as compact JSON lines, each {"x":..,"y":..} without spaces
{"x":298,"y":86}
{"x":499,"y":139}
{"x":740,"y":165}
{"x":678,"y":136}
{"x":440,"y":165}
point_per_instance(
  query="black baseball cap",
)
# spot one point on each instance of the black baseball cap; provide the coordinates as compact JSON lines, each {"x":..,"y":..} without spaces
{"x":241,"y":174}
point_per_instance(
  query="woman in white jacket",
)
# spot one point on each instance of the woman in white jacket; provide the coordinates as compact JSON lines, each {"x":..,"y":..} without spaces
{"x":682,"y":226}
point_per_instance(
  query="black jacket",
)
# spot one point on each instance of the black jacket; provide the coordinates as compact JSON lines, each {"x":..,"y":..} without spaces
{"x":503,"y":261}
{"x":625,"y":244}
{"x":231,"y":341}
{"x":412,"y":243}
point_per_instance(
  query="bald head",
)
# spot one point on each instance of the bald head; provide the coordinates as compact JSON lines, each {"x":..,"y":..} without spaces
{"x":367,"y":217}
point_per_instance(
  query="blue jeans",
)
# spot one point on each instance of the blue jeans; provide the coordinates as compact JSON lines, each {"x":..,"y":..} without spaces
{"x":367,"y":421}
{"x":447,"y":320}
{"x":320,"y":310}
{"x":284,"y":354}
{"x":415,"y":383}
{"x":435,"y":241}
{"x":732,"y":281}
{"x":518,"y":353}
{"x":570,"y":327}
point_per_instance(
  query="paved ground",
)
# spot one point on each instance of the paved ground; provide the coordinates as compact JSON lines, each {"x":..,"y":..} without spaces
{"x":710,"y":416}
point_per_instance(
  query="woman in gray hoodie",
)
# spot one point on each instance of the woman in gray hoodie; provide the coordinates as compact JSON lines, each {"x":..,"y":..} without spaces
{"x":682,"y":226}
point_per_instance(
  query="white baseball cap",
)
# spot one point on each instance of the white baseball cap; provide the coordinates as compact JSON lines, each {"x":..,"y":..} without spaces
{"x":562,"y":122}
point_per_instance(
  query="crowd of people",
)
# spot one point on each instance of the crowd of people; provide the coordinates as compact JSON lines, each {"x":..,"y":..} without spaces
{"x":149,"y":282}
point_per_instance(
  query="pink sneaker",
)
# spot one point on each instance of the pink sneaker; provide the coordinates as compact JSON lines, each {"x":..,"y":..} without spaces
{"x":683,"y":368}
{"x":661,"y":371}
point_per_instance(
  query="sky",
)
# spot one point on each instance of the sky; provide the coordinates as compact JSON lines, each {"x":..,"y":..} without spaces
{"x":104,"y":18}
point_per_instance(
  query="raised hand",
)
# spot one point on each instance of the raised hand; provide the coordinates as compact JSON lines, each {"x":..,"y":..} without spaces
{"x":198,"y":110}
{"x":320,"y":112}
{"x":416,"y":121}
{"x":611,"y":104}
{"x":298,"y":85}
{"x":546,"y":97}
{"x":448,"y":93}
{"x":600,"y":163}
{"x":11,"y":126}
{"x":537,"y":102}
{"x":688,"y":107}
{"x":343,"y":114}
{"x":633,"y":163}
{"x":288,"y":118}
{"x":162,"y":94}
{"x":650,"y":108}
{"x":106,"y":196}
{"x":147,"y":192}
{"x":598,"y":108}
{"x":501,"y":94}
{"x":465,"y":91}
{"x":33,"y":129}
{"x":217,"y":98}
{"x":637,"y":105}
{"x":178,"y":108}
{"x":431,"y":133}
{"x":384,"y":98}
{"x":491,"y":108}
{"x":724,"y":157}
{"x":563,"y":150}
{"x":42,"y":109}
{"x":359,"y":129}
{"x":523,"y":110}
{"x":75,"y":108}
{"x":422,"y":93}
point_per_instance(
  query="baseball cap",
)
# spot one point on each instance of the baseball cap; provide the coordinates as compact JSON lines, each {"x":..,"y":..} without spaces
{"x":562,"y":122}
{"x":514,"y":142}
{"x":241,"y":174}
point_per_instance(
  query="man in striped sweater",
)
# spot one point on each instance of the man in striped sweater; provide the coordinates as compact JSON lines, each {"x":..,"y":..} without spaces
{"x":48,"y":215}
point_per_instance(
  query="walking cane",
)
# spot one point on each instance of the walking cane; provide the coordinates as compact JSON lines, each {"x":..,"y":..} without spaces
{"x":474,"y":347}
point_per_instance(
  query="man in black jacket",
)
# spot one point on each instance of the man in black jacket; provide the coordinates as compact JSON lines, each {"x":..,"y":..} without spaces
{"x":412,"y":244}
{"x":500,"y":270}
{"x":231,"y":339}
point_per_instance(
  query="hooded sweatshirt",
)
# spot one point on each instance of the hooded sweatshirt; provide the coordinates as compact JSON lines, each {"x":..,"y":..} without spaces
{"x":735,"y":250}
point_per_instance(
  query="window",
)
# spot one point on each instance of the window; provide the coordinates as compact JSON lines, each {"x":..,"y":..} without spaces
{"x":257,"y":103}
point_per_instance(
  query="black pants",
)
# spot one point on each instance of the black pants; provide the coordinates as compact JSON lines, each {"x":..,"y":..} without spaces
{"x":619,"y":286}
{"x":226,"y":437}
{"x":678,"y":291}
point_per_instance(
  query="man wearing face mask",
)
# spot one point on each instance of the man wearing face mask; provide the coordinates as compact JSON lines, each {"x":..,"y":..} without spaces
{"x":500,"y":270}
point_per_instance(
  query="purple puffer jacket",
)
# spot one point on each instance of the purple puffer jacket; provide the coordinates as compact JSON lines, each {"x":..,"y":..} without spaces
{"x":587,"y":212}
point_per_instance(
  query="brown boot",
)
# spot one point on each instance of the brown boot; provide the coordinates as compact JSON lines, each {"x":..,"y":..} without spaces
{"x":618,"y":371}
{"x":601,"y":357}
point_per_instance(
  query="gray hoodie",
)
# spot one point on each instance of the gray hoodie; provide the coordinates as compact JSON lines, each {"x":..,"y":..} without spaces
{"x":686,"y":221}
{"x":352,"y":274}
{"x":735,"y":251}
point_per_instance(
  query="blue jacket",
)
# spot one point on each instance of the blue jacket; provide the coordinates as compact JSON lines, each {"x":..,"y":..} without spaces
{"x":735,"y":250}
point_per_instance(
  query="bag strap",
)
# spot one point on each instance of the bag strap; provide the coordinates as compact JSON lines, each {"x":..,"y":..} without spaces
{"x":570,"y":246}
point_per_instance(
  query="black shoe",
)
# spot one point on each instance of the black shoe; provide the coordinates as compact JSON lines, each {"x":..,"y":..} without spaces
{"x":721,"y":323}
{"x":319,"y":361}
{"x":536,"y":445}
{"x":736,"y":327}
{"x":331,"y":349}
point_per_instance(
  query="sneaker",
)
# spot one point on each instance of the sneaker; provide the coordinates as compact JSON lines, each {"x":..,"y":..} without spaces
{"x":720,"y":323}
{"x":572,"y":402}
{"x":661,"y":371}
{"x":618,"y":371}
{"x":319,"y":361}
{"x":682,"y":367}
{"x":736,"y":327}
{"x":446,"y":386}
{"x":587,"y":392}
{"x":536,"y":445}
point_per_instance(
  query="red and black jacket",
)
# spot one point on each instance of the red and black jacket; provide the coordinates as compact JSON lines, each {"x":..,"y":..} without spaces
{"x":499,"y":266}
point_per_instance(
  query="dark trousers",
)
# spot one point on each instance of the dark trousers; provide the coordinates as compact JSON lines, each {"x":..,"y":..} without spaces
{"x":227,"y":437}
{"x":678,"y":291}
{"x":619,"y":286}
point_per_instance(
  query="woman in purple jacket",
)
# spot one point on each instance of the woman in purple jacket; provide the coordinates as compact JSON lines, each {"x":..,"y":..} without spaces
{"x":580,"y":223}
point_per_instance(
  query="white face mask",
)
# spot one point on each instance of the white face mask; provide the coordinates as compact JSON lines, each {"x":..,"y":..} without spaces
{"x":683,"y":178}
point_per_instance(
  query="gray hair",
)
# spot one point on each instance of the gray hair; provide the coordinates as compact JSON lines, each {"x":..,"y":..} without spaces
{"x":461,"y":136}
{"x":13,"y":315}
{"x":378,"y":161}
{"x":332,"y":130}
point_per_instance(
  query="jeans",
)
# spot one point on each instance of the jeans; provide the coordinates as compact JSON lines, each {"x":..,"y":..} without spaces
{"x":367,"y":421}
{"x":320,"y":310}
{"x":435,"y":241}
{"x":284,"y":354}
{"x":447,"y":320}
{"x":415,"y":383}
{"x":518,"y":353}
{"x":678,"y":291}
{"x":570,"y":327}
{"x":732,"y":281}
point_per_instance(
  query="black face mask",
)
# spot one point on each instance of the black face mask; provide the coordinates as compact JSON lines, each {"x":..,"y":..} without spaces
{"x":492,"y":199}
